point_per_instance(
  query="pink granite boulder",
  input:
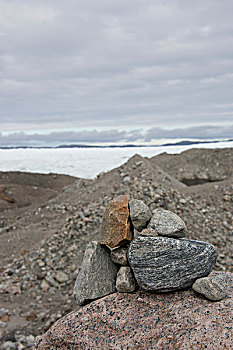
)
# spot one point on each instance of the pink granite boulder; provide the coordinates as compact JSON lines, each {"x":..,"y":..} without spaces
{"x":142,"y":320}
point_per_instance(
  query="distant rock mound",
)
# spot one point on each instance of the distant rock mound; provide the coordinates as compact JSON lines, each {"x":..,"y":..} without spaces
{"x":141,"y":320}
{"x":197,"y":166}
{"x":20,"y":190}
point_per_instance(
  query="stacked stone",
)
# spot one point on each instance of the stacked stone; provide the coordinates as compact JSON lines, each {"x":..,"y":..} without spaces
{"x":145,"y":250}
{"x":105,"y":268}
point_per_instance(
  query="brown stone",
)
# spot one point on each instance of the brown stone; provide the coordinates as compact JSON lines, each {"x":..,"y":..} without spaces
{"x":5,"y":318}
{"x":115,"y":229}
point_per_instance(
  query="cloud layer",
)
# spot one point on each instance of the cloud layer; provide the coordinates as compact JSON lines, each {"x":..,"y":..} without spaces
{"x":95,"y":137}
{"x":104,"y":65}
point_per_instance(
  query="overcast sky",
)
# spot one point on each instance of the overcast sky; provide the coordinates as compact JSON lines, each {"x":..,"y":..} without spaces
{"x":115,"y":71}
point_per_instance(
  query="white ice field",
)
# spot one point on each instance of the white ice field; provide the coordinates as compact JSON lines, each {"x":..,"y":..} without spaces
{"x":82,"y":162}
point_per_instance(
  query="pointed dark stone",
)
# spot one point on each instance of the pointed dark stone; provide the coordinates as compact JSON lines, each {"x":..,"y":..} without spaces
{"x":97,"y":276}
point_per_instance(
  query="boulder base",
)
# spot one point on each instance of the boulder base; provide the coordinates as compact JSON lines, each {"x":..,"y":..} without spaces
{"x":142,"y":320}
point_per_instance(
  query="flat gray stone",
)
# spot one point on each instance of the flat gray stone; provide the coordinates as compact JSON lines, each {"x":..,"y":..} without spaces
{"x":166,"y":264}
{"x":119,"y":256}
{"x":167,"y":223}
{"x":125,"y":281}
{"x":140,"y":213}
{"x":212,"y":287}
{"x":97,"y":276}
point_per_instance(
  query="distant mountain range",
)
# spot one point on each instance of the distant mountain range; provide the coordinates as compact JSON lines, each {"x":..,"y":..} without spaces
{"x":180,"y":143}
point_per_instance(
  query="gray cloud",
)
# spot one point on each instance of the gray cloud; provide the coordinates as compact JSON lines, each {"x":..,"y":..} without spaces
{"x":206,"y":132}
{"x":125,"y":64}
{"x":94,"y":137}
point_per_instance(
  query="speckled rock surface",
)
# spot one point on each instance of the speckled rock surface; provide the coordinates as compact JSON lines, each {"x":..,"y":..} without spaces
{"x":97,"y":276}
{"x":140,"y":213}
{"x":115,"y":228}
{"x":164,"y":264}
{"x":167,"y":223}
{"x":141,"y":320}
{"x":212,"y":287}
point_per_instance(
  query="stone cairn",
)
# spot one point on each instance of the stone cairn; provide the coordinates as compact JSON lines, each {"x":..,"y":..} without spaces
{"x":145,"y":250}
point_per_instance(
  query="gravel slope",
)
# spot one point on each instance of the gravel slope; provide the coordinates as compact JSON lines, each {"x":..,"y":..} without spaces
{"x":44,"y":237}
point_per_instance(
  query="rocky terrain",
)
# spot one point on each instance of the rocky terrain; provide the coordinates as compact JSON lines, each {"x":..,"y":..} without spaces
{"x":194,"y":167}
{"x":46,"y":222}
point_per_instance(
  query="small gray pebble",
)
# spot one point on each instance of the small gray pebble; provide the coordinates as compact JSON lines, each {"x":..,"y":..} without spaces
{"x":125,"y":281}
{"x":119,"y":256}
{"x":140,"y":214}
{"x":212,"y":287}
